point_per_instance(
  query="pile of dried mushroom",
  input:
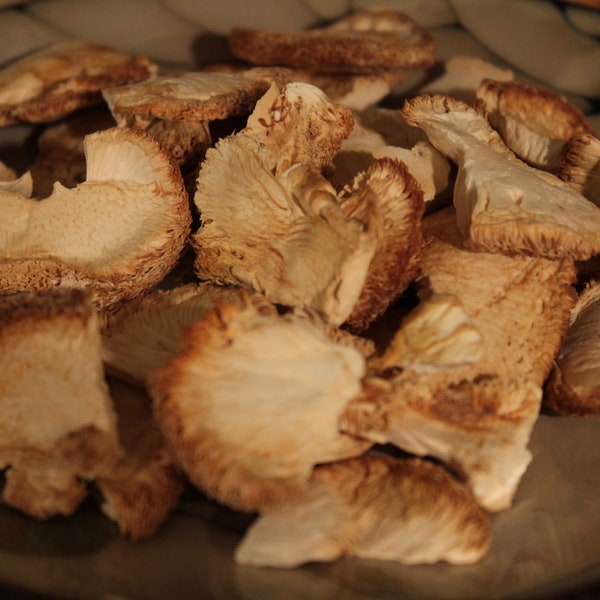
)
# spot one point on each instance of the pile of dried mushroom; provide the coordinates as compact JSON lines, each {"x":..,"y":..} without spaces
{"x":254,"y":280}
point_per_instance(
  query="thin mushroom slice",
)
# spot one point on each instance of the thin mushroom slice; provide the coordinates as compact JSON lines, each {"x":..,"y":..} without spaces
{"x":573,"y":388}
{"x":118,"y":233}
{"x":251,"y":404}
{"x":533,"y":122}
{"x":145,"y":485}
{"x":66,"y":76}
{"x":373,"y":507}
{"x":579,"y":165}
{"x":502,"y":204}
{"x":59,"y":427}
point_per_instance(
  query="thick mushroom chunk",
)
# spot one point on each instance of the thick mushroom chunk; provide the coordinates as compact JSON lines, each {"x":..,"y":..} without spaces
{"x":58,"y":428}
{"x":375,"y":507}
{"x":145,"y":486}
{"x":118,"y":233}
{"x":251,"y":404}
{"x":573,"y":388}
{"x":64,"y":77}
{"x":502,"y":204}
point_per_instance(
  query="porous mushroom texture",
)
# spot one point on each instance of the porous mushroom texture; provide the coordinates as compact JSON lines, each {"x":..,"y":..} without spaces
{"x":58,"y":428}
{"x":251,"y":404}
{"x":364,"y":42}
{"x":573,"y":388}
{"x":533,"y":122}
{"x":66,"y":76}
{"x":285,"y":235}
{"x":146,"y":333}
{"x":502,"y":204}
{"x":579,"y":165}
{"x":118,"y":233}
{"x":395,"y":264}
{"x":373,"y":507}
{"x":145,"y":486}
{"x":299,"y":124}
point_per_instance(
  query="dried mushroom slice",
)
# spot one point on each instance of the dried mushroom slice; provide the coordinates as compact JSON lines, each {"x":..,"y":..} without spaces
{"x":573,"y":388}
{"x":251,"y":404}
{"x":118,"y":233}
{"x":480,"y":428}
{"x":63,"y":77}
{"x":58,"y":428}
{"x":373,"y":507}
{"x":502,"y":204}
{"x":533,"y":122}
{"x":146,"y":333}
{"x":145,"y":486}
{"x":285,"y":236}
{"x":579,"y":165}
{"x":364,"y":42}
{"x":395,"y":264}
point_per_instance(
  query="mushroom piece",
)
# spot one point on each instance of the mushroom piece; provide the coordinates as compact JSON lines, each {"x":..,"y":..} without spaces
{"x":573,"y":388}
{"x":146,"y":333}
{"x":118,"y":233}
{"x":374,"y":507}
{"x":145,"y":486}
{"x":502,"y":204}
{"x":66,"y":76}
{"x":251,"y":403}
{"x":533,"y":122}
{"x":59,"y":427}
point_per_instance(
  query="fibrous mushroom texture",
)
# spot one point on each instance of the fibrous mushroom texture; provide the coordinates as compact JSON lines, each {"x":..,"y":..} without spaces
{"x":58,"y":427}
{"x":118,"y":233}
{"x":59,"y":79}
{"x":502,"y":204}
{"x":373,"y":507}
{"x":251,"y":404}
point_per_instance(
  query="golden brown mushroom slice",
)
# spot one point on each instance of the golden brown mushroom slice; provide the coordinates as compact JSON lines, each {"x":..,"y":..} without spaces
{"x":145,"y":486}
{"x":58,"y":428}
{"x":373,"y":507}
{"x":146,"y":333}
{"x":118,"y":233}
{"x":533,"y":122}
{"x":251,"y":404}
{"x":365,"y":42}
{"x":579,"y":165}
{"x":573,"y":388}
{"x":502,"y":204}
{"x":63,"y":77}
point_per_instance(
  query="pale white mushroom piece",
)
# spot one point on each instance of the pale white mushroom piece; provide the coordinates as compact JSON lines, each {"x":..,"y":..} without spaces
{"x":9,"y":182}
{"x":579,"y":165}
{"x":58,"y":428}
{"x":145,"y":486}
{"x":502,"y":204}
{"x":534,"y":123}
{"x":58,"y":79}
{"x":118,"y":233}
{"x":251,"y":404}
{"x":285,"y":236}
{"x":573,"y":388}
{"x":373,"y":507}
{"x":146,"y":333}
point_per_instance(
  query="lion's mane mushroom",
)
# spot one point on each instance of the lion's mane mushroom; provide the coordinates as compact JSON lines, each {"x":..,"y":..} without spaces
{"x":118,"y":233}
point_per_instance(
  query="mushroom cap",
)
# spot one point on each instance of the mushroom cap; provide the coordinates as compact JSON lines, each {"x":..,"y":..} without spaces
{"x":366,"y":41}
{"x":119,"y":233}
{"x":63,"y":77}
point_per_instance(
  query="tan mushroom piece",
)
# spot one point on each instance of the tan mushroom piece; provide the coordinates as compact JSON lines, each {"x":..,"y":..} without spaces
{"x":573,"y":388}
{"x":58,"y":428}
{"x":66,"y":76}
{"x":373,"y":507}
{"x":118,"y":233}
{"x":251,"y":404}
{"x":533,"y":122}
{"x":502,"y":204}
{"x":145,"y":486}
